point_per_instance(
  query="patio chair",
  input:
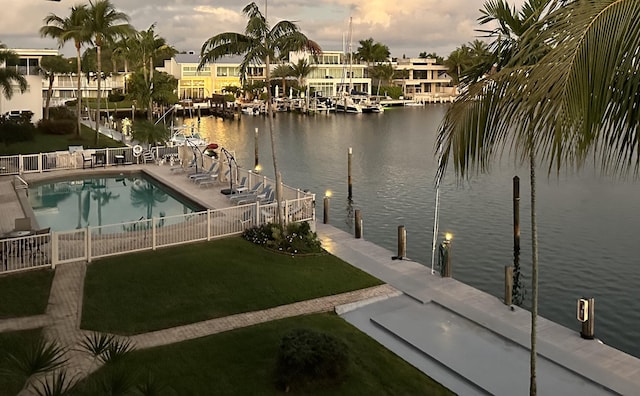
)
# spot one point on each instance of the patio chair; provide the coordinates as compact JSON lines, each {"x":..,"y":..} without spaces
{"x":87,"y":159}
{"x":41,"y":238}
{"x":258,"y":197}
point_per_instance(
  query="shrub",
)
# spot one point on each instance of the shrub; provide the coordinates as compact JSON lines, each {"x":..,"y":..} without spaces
{"x":12,"y":131}
{"x":310,"y":358}
{"x":297,"y":238}
{"x":57,"y":127}
{"x":116,"y":96}
{"x":61,"y":113}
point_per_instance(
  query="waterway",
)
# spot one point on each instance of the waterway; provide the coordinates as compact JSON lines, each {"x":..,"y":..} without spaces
{"x":588,"y":225}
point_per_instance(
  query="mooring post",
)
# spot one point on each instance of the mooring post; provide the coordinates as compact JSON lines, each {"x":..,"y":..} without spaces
{"x":402,"y":242}
{"x":515,"y":284}
{"x":325,"y":218}
{"x":349,"y":181}
{"x":446,"y":265}
{"x":358,"y":219}
{"x":255,"y":143}
{"x":586,"y":314}
{"x":508,"y":284}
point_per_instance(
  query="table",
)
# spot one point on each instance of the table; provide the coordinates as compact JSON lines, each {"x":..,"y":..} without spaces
{"x":119,"y":159}
{"x":98,"y":159}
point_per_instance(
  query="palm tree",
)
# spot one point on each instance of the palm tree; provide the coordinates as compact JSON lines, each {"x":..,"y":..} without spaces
{"x":50,"y":66}
{"x":259,"y":44}
{"x":104,"y":24}
{"x":9,"y":75}
{"x":475,"y":127}
{"x":301,"y":70}
{"x":146,"y":46}
{"x":66,"y":29}
{"x":458,"y":60}
{"x":282,"y":72}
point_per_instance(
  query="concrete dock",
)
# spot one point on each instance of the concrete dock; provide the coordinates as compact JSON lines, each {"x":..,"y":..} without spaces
{"x":469,"y":340}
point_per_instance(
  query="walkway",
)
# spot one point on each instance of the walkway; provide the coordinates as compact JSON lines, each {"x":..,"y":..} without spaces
{"x":62,"y":319}
{"x":469,"y":340}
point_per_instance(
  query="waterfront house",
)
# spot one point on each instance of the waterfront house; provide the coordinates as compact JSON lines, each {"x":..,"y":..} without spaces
{"x":424,"y":79}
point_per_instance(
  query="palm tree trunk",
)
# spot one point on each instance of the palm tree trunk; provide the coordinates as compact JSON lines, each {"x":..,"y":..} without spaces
{"x":49,"y":91}
{"x":79,"y":93}
{"x":273,"y":146}
{"x":534,"y":273}
{"x":150,"y":106}
{"x":99,"y":53}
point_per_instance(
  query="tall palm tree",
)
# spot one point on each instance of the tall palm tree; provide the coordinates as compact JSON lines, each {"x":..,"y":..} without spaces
{"x":475,"y":129}
{"x":259,"y":44}
{"x":9,"y":75}
{"x":66,"y":29}
{"x":146,"y":46}
{"x":457,"y":61}
{"x":50,"y":66}
{"x":104,"y":24}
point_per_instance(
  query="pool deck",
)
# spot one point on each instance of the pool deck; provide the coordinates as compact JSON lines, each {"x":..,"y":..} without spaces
{"x":208,"y":197}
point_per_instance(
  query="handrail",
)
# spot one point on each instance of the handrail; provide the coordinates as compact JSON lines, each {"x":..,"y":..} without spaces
{"x":23,"y":183}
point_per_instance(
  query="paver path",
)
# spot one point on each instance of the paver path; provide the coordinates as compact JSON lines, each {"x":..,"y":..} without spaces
{"x":62,"y":319}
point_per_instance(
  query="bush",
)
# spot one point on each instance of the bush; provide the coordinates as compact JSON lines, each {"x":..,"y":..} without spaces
{"x":310,"y":358}
{"x":71,"y":103}
{"x":61,"y":113}
{"x":116,"y":96}
{"x":57,"y":127}
{"x":13,"y":131}
{"x":297,"y":238}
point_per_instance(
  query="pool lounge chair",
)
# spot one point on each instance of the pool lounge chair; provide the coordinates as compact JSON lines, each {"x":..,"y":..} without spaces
{"x":210,"y":180}
{"x":265,"y":196}
{"x":213,"y":169}
{"x":252,"y":191}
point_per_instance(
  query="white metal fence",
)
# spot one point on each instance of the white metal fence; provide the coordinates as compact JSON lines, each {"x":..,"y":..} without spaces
{"x":148,"y":234}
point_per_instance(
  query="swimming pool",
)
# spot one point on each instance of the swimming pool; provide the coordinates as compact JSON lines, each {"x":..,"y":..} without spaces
{"x":76,"y":203}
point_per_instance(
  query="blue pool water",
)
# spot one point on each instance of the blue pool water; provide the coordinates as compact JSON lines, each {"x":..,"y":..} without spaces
{"x":76,"y":203}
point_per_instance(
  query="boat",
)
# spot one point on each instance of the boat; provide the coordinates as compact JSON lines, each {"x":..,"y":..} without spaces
{"x":186,"y":135}
{"x":346,"y":104}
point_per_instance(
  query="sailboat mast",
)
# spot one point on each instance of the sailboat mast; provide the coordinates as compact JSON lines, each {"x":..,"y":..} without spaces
{"x":350,"y":55}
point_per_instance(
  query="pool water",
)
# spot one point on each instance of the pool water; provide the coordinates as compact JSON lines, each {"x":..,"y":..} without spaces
{"x":66,"y":205}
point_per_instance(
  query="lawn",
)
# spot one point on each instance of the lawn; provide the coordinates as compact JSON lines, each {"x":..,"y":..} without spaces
{"x":44,"y":143}
{"x":11,"y":343}
{"x":242,"y":362}
{"x":136,"y":293}
{"x":25,"y":294}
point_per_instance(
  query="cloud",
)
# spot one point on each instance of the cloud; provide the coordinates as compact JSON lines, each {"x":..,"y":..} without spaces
{"x":405,"y":26}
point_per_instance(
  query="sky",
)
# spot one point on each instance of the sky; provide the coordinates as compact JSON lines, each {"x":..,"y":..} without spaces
{"x":407,"y":27}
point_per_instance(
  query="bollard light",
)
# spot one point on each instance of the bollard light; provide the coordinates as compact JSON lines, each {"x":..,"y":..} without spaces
{"x":327,"y":195}
{"x":257,"y":169}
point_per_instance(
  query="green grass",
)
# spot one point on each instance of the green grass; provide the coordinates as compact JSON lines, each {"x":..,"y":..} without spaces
{"x":25,"y":294}
{"x":242,"y":362}
{"x":43,"y":143}
{"x":10,"y":343}
{"x":148,"y":291}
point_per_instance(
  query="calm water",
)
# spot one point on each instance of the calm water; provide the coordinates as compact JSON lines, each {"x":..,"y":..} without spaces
{"x":588,"y":226}
{"x":70,"y":204}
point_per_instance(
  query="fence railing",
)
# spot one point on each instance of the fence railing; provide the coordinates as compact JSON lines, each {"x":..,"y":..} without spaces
{"x":89,"y":243}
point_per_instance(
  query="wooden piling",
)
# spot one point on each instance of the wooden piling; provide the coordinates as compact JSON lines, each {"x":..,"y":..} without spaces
{"x":349,"y":180}
{"x":516,"y":240}
{"x":402,"y":242}
{"x":325,"y":218}
{"x":358,"y":219}
{"x":447,"y":270}
{"x":255,"y":143}
{"x":588,"y":326}
{"x":508,"y":284}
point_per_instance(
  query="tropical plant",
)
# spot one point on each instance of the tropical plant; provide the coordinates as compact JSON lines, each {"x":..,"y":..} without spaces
{"x":259,"y":44}
{"x":50,"y":66}
{"x":457,"y":61}
{"x":9,"y":75}
{"x":149,"y":133}
{"x":146,"y":46}
{"x":282,"y":72}
{"x":66,"y":29}
{"x":161,"y":89}
{"x":432,"y":55}
{"x":475,"y":126}
{"x":104,"y":23}
{"x":301,"y":70}
{"x":371,"y":52}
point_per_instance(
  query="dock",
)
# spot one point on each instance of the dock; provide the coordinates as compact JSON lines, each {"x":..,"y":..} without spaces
{"x":468,"y":340}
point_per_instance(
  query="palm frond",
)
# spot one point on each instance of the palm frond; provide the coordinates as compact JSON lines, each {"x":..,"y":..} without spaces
{"x":38,"y":357}
{"x":56,"y":384}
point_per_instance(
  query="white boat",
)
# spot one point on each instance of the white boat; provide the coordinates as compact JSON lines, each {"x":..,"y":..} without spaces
{"x":345,"y":103}
{"x":187,"y":135}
